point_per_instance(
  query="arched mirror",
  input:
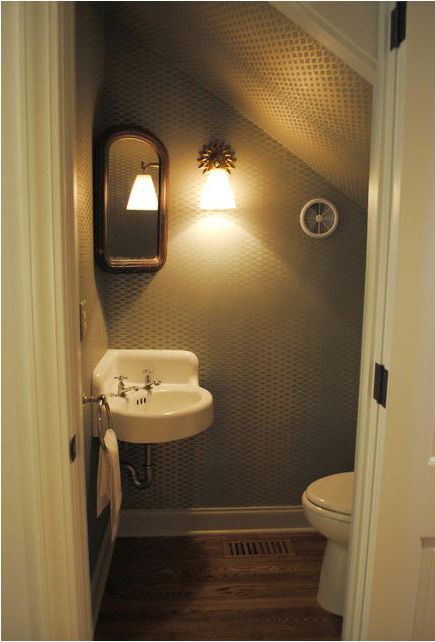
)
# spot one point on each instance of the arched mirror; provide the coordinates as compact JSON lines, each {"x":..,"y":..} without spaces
{"x":130,"y":210}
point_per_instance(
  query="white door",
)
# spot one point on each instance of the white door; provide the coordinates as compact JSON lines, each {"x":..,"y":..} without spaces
{"x":45,"y":569}
{"x":400,"y":579}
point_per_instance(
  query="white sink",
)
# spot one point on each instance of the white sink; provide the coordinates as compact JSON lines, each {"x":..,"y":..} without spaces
{"x":175,"y":409}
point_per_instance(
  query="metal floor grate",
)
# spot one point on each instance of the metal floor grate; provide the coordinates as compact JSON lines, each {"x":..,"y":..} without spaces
{"x":258,"y":548}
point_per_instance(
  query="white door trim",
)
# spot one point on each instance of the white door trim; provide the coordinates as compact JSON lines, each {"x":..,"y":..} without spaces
{"x":47,"y":594}
{"x":402,"y":537}
{"x":379,"y":284}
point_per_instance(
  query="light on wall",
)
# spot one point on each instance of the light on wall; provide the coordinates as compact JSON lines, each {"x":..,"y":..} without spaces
{"x":143,"y":194}
{"x":216,"y":160}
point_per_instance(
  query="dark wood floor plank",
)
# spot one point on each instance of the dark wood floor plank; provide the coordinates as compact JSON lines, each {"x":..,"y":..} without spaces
{"x":186,"y":589}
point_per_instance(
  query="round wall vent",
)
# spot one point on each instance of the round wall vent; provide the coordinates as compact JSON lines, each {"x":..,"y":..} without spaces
{"x":319,"y":218}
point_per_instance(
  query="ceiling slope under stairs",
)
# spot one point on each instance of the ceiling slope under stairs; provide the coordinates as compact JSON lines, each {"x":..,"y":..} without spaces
{"x":272,"y":72}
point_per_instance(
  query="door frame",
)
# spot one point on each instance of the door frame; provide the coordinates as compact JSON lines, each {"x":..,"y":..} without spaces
{"x":379,"y":287}
{"x":45,"y":564}
{"x":382,"y":439}
{"x":49,"y":495}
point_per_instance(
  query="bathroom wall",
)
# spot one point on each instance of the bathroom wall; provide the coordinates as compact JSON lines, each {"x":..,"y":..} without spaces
{"x":273,"y":315}
{"x":272,"y":72}
{"x":89,"y":69}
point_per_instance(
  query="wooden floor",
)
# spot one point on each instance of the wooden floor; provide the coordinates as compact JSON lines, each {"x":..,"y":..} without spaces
{"x":189,"y":588}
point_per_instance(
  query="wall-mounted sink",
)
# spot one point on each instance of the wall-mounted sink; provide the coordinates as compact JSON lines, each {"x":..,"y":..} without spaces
{"x":175,"y":409}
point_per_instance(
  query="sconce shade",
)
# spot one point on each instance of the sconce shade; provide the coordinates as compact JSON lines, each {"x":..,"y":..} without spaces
{"x":143,"y":194}
{"x":218,"y":193}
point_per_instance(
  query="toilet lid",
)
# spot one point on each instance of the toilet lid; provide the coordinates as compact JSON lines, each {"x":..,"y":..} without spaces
{"x":334,"y":492}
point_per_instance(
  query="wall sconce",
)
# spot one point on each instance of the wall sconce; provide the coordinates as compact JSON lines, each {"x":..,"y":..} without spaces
{"x":143,"y":194}
{"x":216,"y":160}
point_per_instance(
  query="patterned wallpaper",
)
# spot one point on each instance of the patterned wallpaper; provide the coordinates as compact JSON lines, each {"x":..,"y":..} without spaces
{"x":89,"y":70}
{"x":274,"y":316}
{"x":272,"y":72}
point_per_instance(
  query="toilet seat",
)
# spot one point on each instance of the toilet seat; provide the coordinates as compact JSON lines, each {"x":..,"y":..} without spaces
{"x":333,"y":493}
{"x":325,"y":513}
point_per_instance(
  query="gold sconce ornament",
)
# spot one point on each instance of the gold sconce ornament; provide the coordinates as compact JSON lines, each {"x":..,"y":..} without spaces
{"x":215,"y":156}
{"x":217,"y":160}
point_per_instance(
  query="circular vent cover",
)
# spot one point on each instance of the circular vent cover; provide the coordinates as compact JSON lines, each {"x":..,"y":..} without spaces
{"x":319,"y":218}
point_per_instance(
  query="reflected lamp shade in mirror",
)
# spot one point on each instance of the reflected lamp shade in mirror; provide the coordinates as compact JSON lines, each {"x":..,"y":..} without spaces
{"x":217,"y":193}
{"x":143,"y":194}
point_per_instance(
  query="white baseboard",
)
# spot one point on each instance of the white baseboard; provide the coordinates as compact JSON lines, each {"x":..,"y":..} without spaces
{"x":195,"y":521}
{"x":101,"y":571}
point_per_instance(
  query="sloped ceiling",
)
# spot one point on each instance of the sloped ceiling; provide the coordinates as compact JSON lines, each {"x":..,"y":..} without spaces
{"x":272,"y":72}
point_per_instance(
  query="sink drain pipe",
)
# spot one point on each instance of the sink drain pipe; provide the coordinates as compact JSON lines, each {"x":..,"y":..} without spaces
{"x":140,"y":482}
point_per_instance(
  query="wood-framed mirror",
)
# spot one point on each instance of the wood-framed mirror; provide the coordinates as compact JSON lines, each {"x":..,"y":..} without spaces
{"x":130,"y":217}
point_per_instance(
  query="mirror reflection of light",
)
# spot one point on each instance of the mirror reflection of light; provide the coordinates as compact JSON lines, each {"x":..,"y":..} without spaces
{"x":143,"y":195}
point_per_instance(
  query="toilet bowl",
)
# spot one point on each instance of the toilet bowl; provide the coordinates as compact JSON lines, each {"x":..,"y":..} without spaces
{"x":327,"y":505}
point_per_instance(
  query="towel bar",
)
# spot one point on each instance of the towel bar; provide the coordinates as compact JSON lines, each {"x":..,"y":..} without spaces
{"x":102,"y":402}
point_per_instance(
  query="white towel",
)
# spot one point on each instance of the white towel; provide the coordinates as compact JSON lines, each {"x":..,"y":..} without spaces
{"x":109,"y":481}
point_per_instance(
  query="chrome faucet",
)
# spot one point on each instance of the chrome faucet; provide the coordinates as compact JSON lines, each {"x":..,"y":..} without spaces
{"x":149,"y":383}
{"x":122,"y":389}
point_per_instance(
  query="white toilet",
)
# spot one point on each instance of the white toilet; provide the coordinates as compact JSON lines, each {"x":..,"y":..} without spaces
{"x":327,"y":506}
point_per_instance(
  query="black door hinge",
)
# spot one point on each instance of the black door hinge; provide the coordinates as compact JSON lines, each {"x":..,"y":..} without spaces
{"x":381,"y":385}
{"x":398,"y":25}
{"x":73,"y":448}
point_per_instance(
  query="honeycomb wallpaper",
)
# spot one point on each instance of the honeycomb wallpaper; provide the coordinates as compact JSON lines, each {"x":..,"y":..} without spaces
{"x":273,"y":315}
{"x":272,"y":72}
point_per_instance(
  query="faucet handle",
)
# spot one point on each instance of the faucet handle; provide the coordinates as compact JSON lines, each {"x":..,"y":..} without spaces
{"x":121,"y":377}
{"x":149,"y":383}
